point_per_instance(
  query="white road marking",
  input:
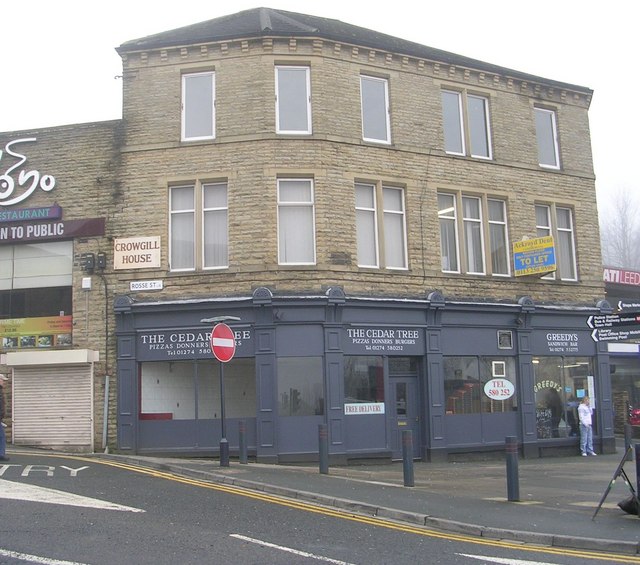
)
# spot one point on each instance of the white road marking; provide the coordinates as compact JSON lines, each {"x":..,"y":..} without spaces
{"x":20,"y":491}
{"x":504,"y":561}
{"x":35,"y":558}
{"x":290,"y":550}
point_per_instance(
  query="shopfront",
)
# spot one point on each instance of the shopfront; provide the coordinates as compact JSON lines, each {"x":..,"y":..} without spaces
{"x":460,"y":377}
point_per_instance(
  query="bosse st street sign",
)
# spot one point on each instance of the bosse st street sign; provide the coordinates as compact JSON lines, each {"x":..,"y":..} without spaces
{"x":223,"y":343}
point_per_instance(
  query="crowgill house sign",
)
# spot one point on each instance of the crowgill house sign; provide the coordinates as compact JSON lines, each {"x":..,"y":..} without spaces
{"x":17,"y":176}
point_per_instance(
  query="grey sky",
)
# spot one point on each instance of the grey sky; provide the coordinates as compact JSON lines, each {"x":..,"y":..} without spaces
{"x":59,"y":62}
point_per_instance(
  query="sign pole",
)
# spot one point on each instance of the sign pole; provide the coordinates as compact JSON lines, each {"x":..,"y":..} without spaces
{"x":223,"y":347}
{"x":224,"y":444}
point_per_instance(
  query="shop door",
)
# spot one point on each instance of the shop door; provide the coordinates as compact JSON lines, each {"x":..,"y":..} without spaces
{"x":405,"y":414}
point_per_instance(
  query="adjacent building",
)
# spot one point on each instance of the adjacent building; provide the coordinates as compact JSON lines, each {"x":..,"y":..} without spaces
{"x":405,"y":239}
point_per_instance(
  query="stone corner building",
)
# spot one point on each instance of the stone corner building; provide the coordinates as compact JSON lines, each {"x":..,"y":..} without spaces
{"x":408,"y":237}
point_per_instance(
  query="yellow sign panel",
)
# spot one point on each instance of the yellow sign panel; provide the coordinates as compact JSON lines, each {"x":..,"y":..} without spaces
{"x":534,"y":256}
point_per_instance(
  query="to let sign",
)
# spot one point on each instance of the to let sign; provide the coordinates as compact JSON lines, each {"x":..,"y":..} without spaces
{"x":223,"y":343}
{"x":534,"y":256}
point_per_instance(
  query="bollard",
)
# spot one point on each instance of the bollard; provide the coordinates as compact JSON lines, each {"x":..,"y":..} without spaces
{"x":628,"y":436}
{"x":242,"y":438}
{"x":407,"y":457}
{"x":323,"y":452}
{"x":513,"y":486}
{"x":637,"y":451}
{"x":224,"y":452}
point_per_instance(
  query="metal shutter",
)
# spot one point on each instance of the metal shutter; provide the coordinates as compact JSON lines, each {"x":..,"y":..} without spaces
{"x":53,"y":407}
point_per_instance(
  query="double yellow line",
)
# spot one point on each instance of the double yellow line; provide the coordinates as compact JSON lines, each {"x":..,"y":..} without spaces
{"x":362,"y":519}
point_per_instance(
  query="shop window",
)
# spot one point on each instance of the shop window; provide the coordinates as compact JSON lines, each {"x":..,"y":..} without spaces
{"x":296,"y":222}
{"x":464,"y":384}
{"x":374,"y":97}
{"x":482,"y":219}
{"x":293,"y":100}
{"x":198,"y":106}
{"x":35,"y":282}
{"x":198,"y":227}
{"x":625,"y":385}
{"x":386,"y":225}
{"x":557,"y":221}
{"x":547,"y":138}
{"x":300,"y":386}
{"x":363,"y":379}
{"x":466,"y":124}
{"x":185,"y":390}
{"x":560,"y":385}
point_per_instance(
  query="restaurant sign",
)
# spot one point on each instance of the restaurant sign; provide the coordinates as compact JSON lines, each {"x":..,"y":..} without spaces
{"x":51,"y":230}
{"x":29,"y":333}
{"x":382,"y":340}
{"x":174,"y":345}
{"x":17,"y":183}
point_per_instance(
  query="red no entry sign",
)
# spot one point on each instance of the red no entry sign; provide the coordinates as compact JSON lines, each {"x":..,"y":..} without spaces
{"x":223,"y":343}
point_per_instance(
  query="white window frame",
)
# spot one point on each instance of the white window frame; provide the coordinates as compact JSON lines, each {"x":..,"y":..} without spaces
{"x":186,"y":116}
{"x":451,"y":218}
{"x":552,"y":228}
{"x":371,"y":215}
{"x":471,"y":226}
{"x":504,"y":228}
{"x":545,"y":230}
{"x":176,"y":213}
{"x":476,"y":231}
{"x":465,"y":127}
{"x":566,"y":263}
{"x":382,"y":228}
{"x":388,"y":213}
{"x":197,"y":213}
{"x":369,"y":111}
{"x":281,"y":99}
{"x":542,"y":137}
{"x":215,"y":210}
{"x":283,"y":205}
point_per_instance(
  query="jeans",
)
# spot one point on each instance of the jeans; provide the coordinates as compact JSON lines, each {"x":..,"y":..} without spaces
{"x":3,"y":441}
{"x":586,"y":439}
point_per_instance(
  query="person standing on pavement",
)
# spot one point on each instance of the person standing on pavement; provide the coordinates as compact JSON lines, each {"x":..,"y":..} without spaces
{"x":586,"y":432}
{"x":3,"y":437}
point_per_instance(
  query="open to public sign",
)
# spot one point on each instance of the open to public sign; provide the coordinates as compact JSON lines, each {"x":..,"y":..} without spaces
{"x":223,"y":343}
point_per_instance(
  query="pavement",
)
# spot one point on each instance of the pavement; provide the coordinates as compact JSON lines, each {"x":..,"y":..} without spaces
{"x":557,"y":504}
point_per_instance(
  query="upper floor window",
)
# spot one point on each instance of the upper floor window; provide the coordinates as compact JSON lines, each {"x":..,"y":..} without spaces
{"x":562,"y":231}
{"x":482,"y":219}
{"x":198,"y":227}
{"x":374,"y":94}
{"x":293,"y":100}
{"x":386,"y":224}
{"x":296,"y":222}
{"x":466,"y":124}
{"x":198,"y":106}
{"x":547,"y":137}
